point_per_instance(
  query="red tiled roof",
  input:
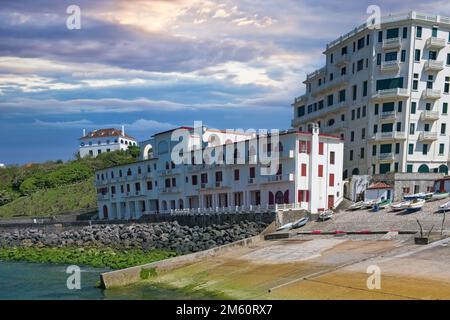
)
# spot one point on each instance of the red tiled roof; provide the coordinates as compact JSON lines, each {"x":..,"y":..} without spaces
{"x":379,"y":185}
{"x":109,"y":132}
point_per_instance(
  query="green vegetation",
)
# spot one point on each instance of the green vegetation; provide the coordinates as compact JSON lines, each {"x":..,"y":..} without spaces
{"x":55,"y":187}
{"x":147,"y":273}
{"x":95,"y":257}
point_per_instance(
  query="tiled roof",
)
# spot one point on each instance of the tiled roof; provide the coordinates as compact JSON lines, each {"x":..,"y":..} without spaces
{"x":379,"y":185}
{"x":109,"y":132}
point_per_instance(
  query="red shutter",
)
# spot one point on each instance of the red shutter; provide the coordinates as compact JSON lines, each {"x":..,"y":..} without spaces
{"x":331,"y":180}
{"x":270,"y":198}
{"x":303,"y":173}
{"x":302,"y":147}
{"x":286,"y":196}
{"x":320,"y":170}
{"x":307,"y":196}
{"x":300,"y":195}
{"x":308,"y":145}
{"x":320,"y":147}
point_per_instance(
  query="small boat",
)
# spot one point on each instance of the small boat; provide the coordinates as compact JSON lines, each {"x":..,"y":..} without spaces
{"x":325,"y":215}
{"x":439,"y":196}
{"x":356,"y":206}
{"x":445,"y":207}
{"x":300,"y":223}
{"x":370,"y":203}
{"x":415,"y":205}
{"x":400,"y":206}
{"x":420,"y":195}
{"x":286,"y":226}
{"x":384,"y":203}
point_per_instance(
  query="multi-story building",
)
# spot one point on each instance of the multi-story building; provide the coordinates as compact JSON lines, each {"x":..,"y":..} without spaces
{"x":308,"y":174}
{"x":386,"y":92}
{"x":104,"y":140}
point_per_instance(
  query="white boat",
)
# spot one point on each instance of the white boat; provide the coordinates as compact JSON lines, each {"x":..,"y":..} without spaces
{"x":445,"y":207}
{"x":300,"y":223}
{"x":370,"y":203}
{"x":420,"y":195}
{"x":439,"y":196}
{"x":286,"y":226}
{"x":356,"y":206}
{"x":415,"y":205}
{"x":400,"y":205}
{"x":325,"y":215}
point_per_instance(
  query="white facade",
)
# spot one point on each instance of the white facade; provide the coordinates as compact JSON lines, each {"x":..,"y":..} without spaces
{"x":309,"y":176}
{"x":2,"y":165}
{"x":386,"y":93}
{"x":104,"y":140}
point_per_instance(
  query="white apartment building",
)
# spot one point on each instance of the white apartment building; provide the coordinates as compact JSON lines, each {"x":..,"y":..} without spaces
{"x":386,"y":92}
{"x":308,"y":175}
{"x":104,"y":140}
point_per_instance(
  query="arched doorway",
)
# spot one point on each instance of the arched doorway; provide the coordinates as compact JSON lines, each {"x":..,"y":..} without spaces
{"x":286,"y":196}
{"x":105,"y":212}
{"x":424,"y":169}
{"x":279,"y":197}
{"x":443,"y":169}
{"x":147,"y":152}
{"x":355,"y":172}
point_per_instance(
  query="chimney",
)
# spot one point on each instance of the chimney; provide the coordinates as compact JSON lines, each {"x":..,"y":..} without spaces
{"x":123,"y":130}
{"x":84,"y":132}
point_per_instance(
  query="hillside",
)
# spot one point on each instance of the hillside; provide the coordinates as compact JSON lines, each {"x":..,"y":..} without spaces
{"x":54,"y":187}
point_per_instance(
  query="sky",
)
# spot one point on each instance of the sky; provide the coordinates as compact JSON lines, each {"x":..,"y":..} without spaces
{"x":153,"y":65}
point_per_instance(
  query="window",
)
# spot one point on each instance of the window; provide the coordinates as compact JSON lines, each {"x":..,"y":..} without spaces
{"x":364,"y":88}
{"x":342,"y":95}
{"x":403,"y":56}
{"x":426,"y":127}
{"x":354,"y":92}
{"x":409,"y":168}
{"x":419,"y":32}
{"x":353,"y":114}
{"x":424,"y":149}
{"x":352,"y":136}
{"x":301,"y":111}
{"x":167,"y":183}
{"x":331,"y":58}
{"x":380,"y":36}
{"x":412,"y":128}
{"x":330,"y":100}
{"x":376,"y":108}
{"x":392,"y":33}
{"x":386,"y":148}
{"x":445,"y":108}
{"x":351,"y":155}
{"x":400,"y":106}
{"x":375,"y":128}
{"x":344,"y":50}
{"x":397,"y":148}
{"x":443,"y":128}
{"x":413,"y":107}
{"x":358,"y":113}
{"x":411,"y":148}
{"x":448,"y":58}
{"x":194,"y":180}
{"x":374,"y":150}
{"x":441,"y":149}
{"x":360,"y":65}
{"x":378,"y":59}
{"x":303,"y":170}
{"x":364,"y":111}
{"x":417,"y":55}
{"x":332,"y":157}
{"x":405,"y":32}
{"x":204,"y":178}
{"x":320,"y":170}
{"x":430,"y":82}
{"x":362,"y":153}
{"x":331,"y":179}
{"x":390,"y":56}
{"x":434,"y":32}
{"x":432,"y":55}
{"x":236,"y":175}
{"x":387,"y":127}
{"x":360,"y":43}
{"x":343,"y":71}
{"x":252,"y":172}
{"x":391,"y":83}
{"x":219,"y":176}
{"x":321,"y":147}
{"x":388,"y":106}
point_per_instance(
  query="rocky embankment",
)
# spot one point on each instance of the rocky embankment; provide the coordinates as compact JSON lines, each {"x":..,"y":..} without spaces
{"x":166,"y":235}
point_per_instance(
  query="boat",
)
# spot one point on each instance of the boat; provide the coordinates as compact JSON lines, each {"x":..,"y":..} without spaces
{"x":325,"y":215}
{"x":400,"y":205}
{"x":420,"y":195}
{"x":370,"y":203}
{"x":300,"y":223}
{"x":356,"y":206}
{"x":439,"y":196}
{"x":415,"y":205}
{"x":445,"y":207}
{"x":384,"y":203}
{"x":286,"y":226}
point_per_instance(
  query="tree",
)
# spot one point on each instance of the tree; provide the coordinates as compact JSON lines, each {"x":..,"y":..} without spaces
{"x":134,"y":151}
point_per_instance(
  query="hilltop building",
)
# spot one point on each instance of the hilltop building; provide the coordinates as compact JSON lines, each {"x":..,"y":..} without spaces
{"x":104,"y":140}
{"x":386,"y":93}
{"x":2,"y":166}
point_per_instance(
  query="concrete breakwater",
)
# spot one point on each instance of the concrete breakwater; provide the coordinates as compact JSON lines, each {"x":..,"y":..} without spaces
{"x":166,"y":235}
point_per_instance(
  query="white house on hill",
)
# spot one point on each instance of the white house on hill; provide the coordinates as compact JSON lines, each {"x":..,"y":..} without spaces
{"x":104,"y":140}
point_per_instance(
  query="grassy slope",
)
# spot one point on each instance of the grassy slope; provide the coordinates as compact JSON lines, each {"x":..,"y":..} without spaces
{"x":52,"y":201}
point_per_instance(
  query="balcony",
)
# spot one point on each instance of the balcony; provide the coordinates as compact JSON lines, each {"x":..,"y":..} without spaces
{"x":394,"y":43}
{"x":388,"y":116}
{"x":168,"y":172}
{"x":337,"y":126}
{"x":317,"y":73}
{"x":386,"y":157}
{"x":288,"y":177}
{"x":169,"y":190}
{"x":431,"y":94}
{"x":101,"y":197}
{"x":221,"y":185}
{"x":428,"y":136}
{"x":251,"y":181}
{"x":391,"y":94}
{"x":388,"y":136}
{"x":301,"y":99}
{"x":331,"y":85}
{"x":390,"y":66}
{"x":435,"y":43}
{"x":342,"y":61}
{"x":434,"y":65}
{"x":428,"y":115}
{"x":308,"y":117}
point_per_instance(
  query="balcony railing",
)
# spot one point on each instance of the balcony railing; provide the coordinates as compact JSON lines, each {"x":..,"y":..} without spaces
{"x":393,"y":135}
{"x":435,"y":43}
{"x":337,"y":126}
{"x":386,"y":156}
{"x":390,"y":66}
{"x":428,"y":136}
{"x":343,"y":60}
{"x":221,"y":185}
{"x":387,"y":94}
{"x":428,"y":115}
{"x":335,"y":108}
{"x":319,"y":72}
{"x":393,"y":43}
{"x":280,"y":178}
{"x":388,"y":115}
{"x":103,"y":196}
{"x":300,"y":99}
{"x":431,"y":94}
{"x":171,"y":171}
{"x":333,"y":84}
{"x":434,"y":65}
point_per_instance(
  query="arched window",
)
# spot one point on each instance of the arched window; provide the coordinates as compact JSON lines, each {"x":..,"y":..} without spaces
{"x":355,"y":172}
{"x":286,"y":196}
{"x":129,"y":172}
{"x":331,"y":122}
{"x":443,"y":169}
{"x":279,"y":197}
{"x":424,"y":169}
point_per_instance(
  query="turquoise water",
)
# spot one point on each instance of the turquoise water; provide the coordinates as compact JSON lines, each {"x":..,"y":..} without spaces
{"x":33,"y":281}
